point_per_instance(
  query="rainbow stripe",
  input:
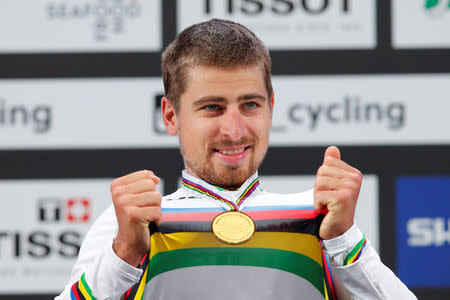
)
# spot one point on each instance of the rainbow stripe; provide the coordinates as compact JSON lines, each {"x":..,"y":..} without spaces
{"x":81,"y":291}
{"x":254,"y":214}
{"x":329,"y":289}
{"x":233,"y":206}
{"x":248,"y":191}
{"x":354,"y":255}
{"x":136,"y":292}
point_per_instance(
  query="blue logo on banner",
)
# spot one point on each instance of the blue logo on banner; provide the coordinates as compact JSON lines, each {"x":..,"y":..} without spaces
{"x":423,"y":231}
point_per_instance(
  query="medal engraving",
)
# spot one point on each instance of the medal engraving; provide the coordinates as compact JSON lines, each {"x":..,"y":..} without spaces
{"x":233,"y":227}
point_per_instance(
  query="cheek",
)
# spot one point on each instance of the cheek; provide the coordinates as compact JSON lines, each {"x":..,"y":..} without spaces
{"x":259,"y":129}
{"x":196,"y":135}
{"x":205,"y":129}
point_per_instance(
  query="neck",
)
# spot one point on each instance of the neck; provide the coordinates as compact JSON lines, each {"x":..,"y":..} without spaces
{"x":228,"y":187}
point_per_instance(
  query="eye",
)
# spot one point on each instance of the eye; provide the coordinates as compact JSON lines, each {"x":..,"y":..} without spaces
{"x":211,"y":107}
{"x":251,"y":105}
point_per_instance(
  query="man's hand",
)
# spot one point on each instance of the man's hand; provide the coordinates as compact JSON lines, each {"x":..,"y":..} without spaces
{"x":336,"y":190}
{"x":137,"y":203}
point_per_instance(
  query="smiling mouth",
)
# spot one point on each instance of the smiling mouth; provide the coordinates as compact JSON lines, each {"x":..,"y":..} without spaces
{"x":232,"y":152}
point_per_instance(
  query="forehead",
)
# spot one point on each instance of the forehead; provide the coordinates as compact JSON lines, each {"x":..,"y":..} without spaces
{"x":224,"y":82}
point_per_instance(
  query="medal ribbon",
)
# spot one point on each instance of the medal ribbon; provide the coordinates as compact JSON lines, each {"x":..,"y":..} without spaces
{"x":233,"y":206}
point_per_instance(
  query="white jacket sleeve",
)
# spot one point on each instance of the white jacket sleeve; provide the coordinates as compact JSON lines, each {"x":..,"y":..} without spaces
{"x":367,"y":277}
{"x":105,"y":274}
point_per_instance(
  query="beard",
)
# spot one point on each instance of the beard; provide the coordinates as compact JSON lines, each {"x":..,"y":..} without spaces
{"x":228,"y":177}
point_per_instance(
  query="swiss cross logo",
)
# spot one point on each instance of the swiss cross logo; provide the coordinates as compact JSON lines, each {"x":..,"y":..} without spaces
{"x":73,"y":209}
{"x":78,"y":210}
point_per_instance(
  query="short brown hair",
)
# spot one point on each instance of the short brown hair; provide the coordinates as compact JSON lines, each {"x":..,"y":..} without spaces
{"x":218,"y":43}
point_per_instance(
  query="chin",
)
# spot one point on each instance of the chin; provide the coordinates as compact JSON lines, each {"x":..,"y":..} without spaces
{"x":232,"y":178}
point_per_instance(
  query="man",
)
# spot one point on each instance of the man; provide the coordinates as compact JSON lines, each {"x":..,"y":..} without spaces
{"x":219,"y":101}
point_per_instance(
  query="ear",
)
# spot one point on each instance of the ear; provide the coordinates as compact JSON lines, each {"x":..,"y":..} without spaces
{"x":169,"y":116}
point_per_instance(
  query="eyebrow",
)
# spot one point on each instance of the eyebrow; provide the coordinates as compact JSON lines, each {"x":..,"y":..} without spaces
{"x":217,"y":99}
{"x":208,"y":99}
{"x":252,"y":96}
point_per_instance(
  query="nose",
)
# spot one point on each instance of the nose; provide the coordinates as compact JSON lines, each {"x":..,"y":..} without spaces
{"x":232,"y":124}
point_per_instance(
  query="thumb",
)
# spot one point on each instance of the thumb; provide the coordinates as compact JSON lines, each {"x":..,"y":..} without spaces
{"x":332,"y":151}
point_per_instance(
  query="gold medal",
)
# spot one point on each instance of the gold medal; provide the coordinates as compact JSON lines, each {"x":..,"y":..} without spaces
{"x":233,"y":227}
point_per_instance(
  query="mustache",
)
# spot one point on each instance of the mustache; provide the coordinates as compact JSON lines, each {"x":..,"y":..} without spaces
{"x":228,"y":143}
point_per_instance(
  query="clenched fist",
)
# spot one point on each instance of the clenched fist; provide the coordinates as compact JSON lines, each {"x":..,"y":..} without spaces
{"x":137,"y":203}
{"x":336,"y":190}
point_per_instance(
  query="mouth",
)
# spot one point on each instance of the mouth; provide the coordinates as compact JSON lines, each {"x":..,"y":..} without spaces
{"x":231,"y":152}
{"x":232,"y":155}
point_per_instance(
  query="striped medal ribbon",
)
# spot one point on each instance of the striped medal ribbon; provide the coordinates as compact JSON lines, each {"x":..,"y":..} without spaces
{"x":231,"y":227}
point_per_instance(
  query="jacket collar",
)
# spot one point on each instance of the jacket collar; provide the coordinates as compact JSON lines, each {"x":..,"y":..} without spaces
{"x":232,"y":199}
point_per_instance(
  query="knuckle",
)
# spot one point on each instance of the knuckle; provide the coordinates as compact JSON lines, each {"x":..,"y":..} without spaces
{"x":358,"y":175}
{"x":157,"y":198}
{"x":147,"y":173}
{"x":321,"y":171}
{"x":355,"y":185}
{"x":116,"y":191}
{"x":319,"y":178}
{"x":113,"y":184}
{"x":144,"y":173}
{"x":316,"y":188}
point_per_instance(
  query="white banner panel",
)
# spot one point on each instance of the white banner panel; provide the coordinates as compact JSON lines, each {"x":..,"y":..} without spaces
{"x":42,"y":225}
{"x":366,"y":214}
{"x":86,"y":113}
{"x":292,"y":24}
{"x":420,"y":24}
{"x":361,"y":110}
{"x":42,"y":230}
{"x":309,"y":110}
{"x":80,"y":25}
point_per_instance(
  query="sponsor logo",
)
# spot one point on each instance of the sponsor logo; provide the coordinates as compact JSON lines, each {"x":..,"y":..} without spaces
{"x":437,"y":7}
{"x":293,"y":24}
{"x":109,"y":17}
{"x":426,"y":232}
{"x":350,"y":110}
{"x":38,"y":117}
{"x":277,"y":7}
{"x":423,"y":230}
{"x":76,"y":209}
{"x":41,"y":242}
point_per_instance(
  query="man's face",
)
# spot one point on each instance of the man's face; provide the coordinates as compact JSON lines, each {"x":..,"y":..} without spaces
{"x":223,"y":124}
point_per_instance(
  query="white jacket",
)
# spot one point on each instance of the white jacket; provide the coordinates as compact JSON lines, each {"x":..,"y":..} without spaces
{"x":106,"y":276}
